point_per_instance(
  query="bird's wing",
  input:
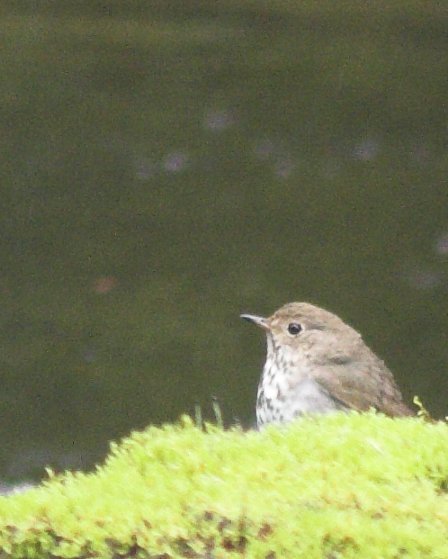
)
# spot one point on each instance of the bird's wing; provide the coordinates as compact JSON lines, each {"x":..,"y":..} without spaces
{"x":363,"y":388}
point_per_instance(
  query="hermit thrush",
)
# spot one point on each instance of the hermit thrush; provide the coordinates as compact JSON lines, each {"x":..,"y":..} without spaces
{"x":318,"y":364}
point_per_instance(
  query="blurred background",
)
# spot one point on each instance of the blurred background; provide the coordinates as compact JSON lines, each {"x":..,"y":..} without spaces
{"x":168,"y":165}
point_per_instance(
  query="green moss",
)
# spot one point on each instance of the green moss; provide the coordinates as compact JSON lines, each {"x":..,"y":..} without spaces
{"x":338,"y":486}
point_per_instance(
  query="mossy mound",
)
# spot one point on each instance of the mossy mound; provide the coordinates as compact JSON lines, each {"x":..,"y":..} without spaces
{"x":351,"y":486}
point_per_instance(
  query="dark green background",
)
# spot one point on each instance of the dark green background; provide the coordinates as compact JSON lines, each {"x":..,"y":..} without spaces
{"x":167,"y":165}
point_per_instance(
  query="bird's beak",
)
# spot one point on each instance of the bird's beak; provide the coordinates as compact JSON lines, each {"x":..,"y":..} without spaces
{"x":258,"y":320}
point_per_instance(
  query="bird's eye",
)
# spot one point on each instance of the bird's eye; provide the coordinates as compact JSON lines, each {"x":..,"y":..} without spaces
{"x":294,"y":328}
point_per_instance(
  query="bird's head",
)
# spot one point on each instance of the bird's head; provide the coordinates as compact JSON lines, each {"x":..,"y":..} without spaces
{"x":307,"y":330}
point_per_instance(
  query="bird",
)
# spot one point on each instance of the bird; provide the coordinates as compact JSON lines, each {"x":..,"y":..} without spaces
{"x":317,"y":364}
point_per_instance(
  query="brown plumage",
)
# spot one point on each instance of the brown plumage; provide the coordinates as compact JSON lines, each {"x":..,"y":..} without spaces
{"x":316,"y":363}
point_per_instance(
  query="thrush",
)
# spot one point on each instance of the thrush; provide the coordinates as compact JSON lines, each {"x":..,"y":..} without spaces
{"x":317,"y":364}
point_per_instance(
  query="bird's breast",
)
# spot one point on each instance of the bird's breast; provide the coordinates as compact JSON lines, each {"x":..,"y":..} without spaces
{"x":281,"y":373}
